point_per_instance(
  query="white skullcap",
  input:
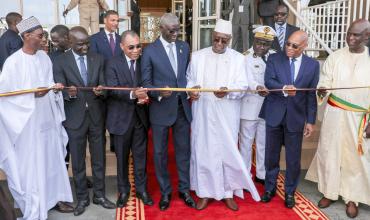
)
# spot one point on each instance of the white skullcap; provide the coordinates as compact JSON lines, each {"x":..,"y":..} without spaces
{"x":223,"y":26}
{"x":28,"y":25}
{"x":264,"y":32}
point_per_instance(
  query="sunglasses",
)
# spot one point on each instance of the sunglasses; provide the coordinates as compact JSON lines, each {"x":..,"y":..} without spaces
{"x":174,"y":31}
{"x":137,"y":46}
{"x":220,"y":39}
{"x":282,"y":14}
{"x":294,"y":46}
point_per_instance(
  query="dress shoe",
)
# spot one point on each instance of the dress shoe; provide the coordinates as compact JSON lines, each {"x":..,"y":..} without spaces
{"x":64,"y":207}
{"x":145,"y":197}
{"x":231,"y":204}
{"x":202,"y":203}
{"x":122,"y":200}
{"x":351,"y":210}
{"x":267,"y":196}
{"x":80,"y":207}
{"x":103,"y":202}
{"x":187,"y":199}
{"x":89,"y":183}
{"x":324,"y":202}
{"x":289,"y":201}
{"x":164,"y":203}
{"x":258,"y":180}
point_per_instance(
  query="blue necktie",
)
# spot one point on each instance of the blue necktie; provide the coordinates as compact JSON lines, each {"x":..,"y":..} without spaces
{"x":292,"y":70}
{"x":83,"y":70}
{"x":132,"y":70}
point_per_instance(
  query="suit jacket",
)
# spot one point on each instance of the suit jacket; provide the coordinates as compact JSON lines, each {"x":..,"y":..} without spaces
{"x":288,"y":31}
{"x":66,"y":72}
{"x":99,"y":43}
{"x":247,"y":16}
{"x":120,"y":107}
{"x":299,"y":109}
{"x":266,"y":8}
{"x":135,"y":19}
{"x":156,"y":71}
{"x":10,"y":42}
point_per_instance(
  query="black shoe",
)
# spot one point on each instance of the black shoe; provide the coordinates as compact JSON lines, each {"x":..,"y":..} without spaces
{"x":80,"y":207}
{"x":187,"y":199}
{"x":122,"y":199}
{"x":64,"y":207}
{"x":103,"y":202}
{"x":145,"y":197}
{"x":267,"y":196}
{"x":164,"y":203}
{"x":258,"y":180}
{"x":89,"y":183}
{"x":289,"y":201}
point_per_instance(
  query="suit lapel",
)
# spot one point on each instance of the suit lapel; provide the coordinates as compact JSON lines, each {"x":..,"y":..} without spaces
{"x":117,"y":48}
{"x":163,"y":55}
{"x":74,"y":66}
{"x":301,"y":69}
{"x":179,"y":51}
{"x":90,"y":68}
{"x":126,"y":70}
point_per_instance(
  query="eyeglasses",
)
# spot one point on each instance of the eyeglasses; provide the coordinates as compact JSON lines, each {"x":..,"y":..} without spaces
{"x":294,"y":46}
{"x":221,"y":39}
{"x":173,"y":31}
{"x":131,"y":47}
{"x":282,"y":14}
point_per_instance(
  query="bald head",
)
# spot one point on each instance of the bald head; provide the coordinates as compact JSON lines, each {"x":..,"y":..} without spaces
{"x":79,"y":40}
{"x":296,"y":44}
{"x":357,"y":35}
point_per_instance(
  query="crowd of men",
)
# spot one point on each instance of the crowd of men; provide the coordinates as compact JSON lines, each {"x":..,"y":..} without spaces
{"x":71,"y":107}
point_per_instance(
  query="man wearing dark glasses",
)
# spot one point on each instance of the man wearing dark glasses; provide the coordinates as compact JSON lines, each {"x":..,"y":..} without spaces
{"x":217,"y":170}
{"x":282,"y":28}
{"x":164,"y":64}
{"x":127,"y":117}
{"x":290,"y":114}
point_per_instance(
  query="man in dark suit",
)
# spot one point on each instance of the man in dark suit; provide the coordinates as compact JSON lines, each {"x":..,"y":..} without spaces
{"x":10,"y":41}
{"x":282,"y":28}
{"x":164,"y":64}
{"x":84,"y":115}
{"x":107,"y":43}
{"x":127,"y":119}
{"x":134,"y":13}
{"x":59,"y":38}
{"x":289,"y":115}
{"x":266,"y":10}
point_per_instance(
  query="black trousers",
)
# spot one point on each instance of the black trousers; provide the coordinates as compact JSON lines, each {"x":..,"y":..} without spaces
{"x":181,"y":139}
{"x":77,"y":144}
{"x":136,"y":140}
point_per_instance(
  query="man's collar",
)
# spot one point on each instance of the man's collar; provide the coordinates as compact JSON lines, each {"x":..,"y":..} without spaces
{"x":76,"y":55}
{"x":164,"y":42}
{"x":277,"y":26}
{"x":107,"y":32}
{"x":297,"y":58}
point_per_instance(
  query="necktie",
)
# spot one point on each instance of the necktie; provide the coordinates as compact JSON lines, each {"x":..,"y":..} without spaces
{"x":132,"y":70}
{"x":111,"y":42}
{"x":83,"y":70}
{"x":292,"y":70}
{"x":281,"y":37}
{"x":171,"y":56}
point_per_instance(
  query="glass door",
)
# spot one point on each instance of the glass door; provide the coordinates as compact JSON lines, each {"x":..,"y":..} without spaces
{"x":205,"y":14}
{"x":178,"y":8}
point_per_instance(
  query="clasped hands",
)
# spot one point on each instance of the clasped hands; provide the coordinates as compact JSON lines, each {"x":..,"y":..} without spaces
{"x":141,"y":94}
{"x":72,"y":91}
{"x":56,"y":88}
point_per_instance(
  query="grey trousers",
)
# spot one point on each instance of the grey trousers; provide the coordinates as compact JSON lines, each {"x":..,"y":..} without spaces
{"x":240,"y":37}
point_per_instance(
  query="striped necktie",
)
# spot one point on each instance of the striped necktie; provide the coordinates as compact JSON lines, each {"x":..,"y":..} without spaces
{"x":281,"y":37}
{"x":292,"y":69}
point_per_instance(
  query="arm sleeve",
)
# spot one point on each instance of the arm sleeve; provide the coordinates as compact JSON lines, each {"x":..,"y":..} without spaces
{"x":311,"y":98}
{"x":59,"y":77}
{"x":72,"y":4}
{"x":190,"y":75}
{"x":271,"y":77}
{"x":112,"y":81}
{"x":103,"y":4}
{"x":240,"y":81}
{"x":147,"y":74}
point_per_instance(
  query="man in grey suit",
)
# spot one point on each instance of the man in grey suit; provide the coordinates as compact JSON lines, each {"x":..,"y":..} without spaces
{"x":84,"y":115}
{"x":243,"y":18}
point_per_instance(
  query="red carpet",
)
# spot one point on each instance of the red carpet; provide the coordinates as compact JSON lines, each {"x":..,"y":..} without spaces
{"x":248,"y":208}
